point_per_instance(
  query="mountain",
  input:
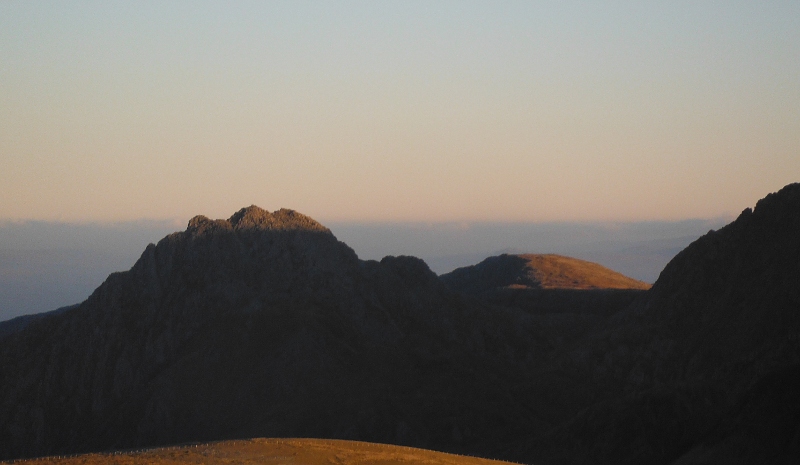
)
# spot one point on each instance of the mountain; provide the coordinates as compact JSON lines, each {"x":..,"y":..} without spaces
{"x":702,"y":368}
{"x":529,"y":271}
{"x":564,"y":296}
{"x":264,"y":325}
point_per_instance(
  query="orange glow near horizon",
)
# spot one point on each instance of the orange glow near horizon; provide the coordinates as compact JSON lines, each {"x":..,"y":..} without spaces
{"x":396,"y":113}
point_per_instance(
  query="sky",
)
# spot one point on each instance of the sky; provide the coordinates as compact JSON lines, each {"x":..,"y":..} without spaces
{"x":396,"y":111}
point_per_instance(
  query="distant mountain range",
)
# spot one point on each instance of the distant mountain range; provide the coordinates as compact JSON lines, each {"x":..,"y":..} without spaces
{"x":19,"y":323}
{"x":48,"y":265}
{"x":265,"y":325}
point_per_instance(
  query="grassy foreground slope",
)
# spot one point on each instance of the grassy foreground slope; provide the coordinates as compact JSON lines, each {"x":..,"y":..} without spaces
{"x":273,"y":451}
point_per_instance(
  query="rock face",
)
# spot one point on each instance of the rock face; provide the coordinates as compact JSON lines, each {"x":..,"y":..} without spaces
{"x":729,"y":305}
{"x":700,"y":368}
{"x":266,"y":325}
{"x":735,"y":294}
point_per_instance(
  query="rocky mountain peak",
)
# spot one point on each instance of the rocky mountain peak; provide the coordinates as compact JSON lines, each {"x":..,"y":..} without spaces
{"x":786,"y":200}
{"x":254,"y":218}
{"x":201,"y":224}
{"x":733,"y":294}
{"x":759,"y":246}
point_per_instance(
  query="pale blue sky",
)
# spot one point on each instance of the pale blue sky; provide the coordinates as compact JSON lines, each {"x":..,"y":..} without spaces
{"x":397,"y":111}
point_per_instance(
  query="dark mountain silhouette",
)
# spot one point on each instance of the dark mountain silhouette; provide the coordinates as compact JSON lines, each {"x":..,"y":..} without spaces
{"x":700,"y":369}
{"x":19,"y":323}
{"x":262,"y":325}
{"x":266,"y":325}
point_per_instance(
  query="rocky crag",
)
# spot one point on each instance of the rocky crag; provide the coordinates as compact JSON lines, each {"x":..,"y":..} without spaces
{"x":702,"y":368}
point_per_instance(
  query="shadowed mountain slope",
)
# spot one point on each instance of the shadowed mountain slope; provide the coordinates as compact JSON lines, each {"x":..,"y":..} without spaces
{"x":699,"y":369}
{"x":566,"y":297}
{"x":263,"y":325}
{"x":19,"y":323}
{"x":529,"y":271}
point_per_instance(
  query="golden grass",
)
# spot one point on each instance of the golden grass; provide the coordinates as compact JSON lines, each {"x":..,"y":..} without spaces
{"x":271,"y":452}
{"x":559,"y":272}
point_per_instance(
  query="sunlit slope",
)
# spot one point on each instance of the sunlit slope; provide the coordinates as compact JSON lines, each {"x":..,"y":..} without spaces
{"x":531,"y":271}
{"x":274,"y":451}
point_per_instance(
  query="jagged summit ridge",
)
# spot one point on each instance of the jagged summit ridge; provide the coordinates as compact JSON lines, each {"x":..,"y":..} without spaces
{"x":277,"y":253}
{"x":762,"y":245}
{"x":254,"y":218}
{"x":786,"y":199}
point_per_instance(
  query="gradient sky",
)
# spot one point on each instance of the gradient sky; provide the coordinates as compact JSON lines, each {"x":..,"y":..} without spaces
{"x":401,"y":111}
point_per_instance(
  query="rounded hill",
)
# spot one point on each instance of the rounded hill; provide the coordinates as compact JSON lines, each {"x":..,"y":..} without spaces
{"x":534,"y":271}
